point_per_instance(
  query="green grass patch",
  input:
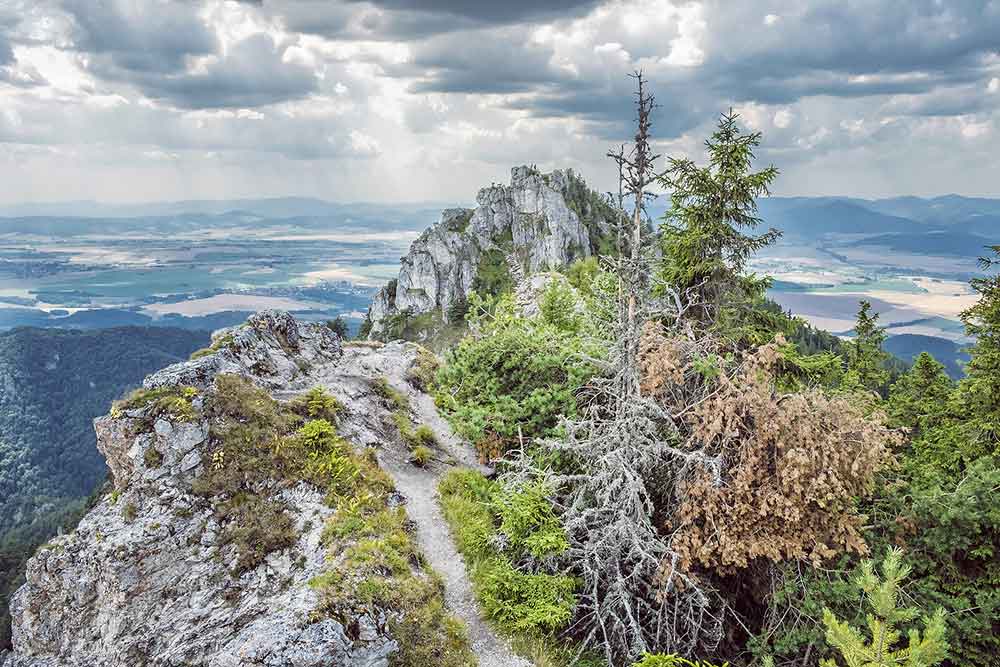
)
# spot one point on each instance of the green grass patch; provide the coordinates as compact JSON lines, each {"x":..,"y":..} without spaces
{"x":259,"y":447}
{"x":173,"y":402}
{"x":492,"y":528}
{"x":317,"y":404}
{"x":380,"y":568}
{"x":219,"y":343}
{"x":421,"y":456}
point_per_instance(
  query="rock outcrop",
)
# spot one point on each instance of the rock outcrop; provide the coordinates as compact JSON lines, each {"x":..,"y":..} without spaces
{"x":545,"y":220}
{"x":145,"y":579}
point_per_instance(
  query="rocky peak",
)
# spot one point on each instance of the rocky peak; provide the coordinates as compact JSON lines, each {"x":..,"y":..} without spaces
{"x":214,"y":548}
{"x":545,"y":221}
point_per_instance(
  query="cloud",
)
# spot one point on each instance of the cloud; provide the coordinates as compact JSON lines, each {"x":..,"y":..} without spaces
{"x":430,"y":99}
{"x":509,"y":11}
{"x":153,"y":36}
{"x":251,"y":74}
{"x":412,"y":19}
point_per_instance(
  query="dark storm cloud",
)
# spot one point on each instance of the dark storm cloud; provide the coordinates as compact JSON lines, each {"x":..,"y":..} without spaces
{"x":823,"y":47}
{"x":140,"y":37}
{"x":412,"y":19}
{"x":149,"y":45}
{"x":6,"y":51}
{"x":505,"y":12}
{"x":251,"y":74}
{"x":479,"y":62}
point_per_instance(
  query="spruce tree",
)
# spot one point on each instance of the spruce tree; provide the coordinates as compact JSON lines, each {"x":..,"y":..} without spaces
{"x":981,"y":387}
{"x":921,"y":394}
{"x":882,"y":650}
{"x":705,"y":235}
{"x":865,"y":357}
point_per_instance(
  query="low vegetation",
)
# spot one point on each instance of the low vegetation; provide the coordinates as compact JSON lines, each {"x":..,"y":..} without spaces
{"x":495,"y":533}
{"x":259,"y":448}
{"x":688,"y":476}
{"x":516,"y":378}
{"x":219,"y":343}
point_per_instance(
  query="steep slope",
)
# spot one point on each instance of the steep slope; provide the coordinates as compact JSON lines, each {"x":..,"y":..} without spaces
{"x":52,"y":385}
{"x":218,"y":547}
{"x":551,"y":219}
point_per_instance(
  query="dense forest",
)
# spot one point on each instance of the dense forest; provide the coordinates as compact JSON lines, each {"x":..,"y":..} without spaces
{"x":688,"y":476}
{"x":52,"y":385}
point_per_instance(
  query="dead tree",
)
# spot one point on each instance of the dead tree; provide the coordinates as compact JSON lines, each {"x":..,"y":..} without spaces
{"x":624,"y":455}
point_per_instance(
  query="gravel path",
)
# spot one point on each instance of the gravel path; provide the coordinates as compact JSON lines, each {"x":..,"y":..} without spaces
{"x":349,"y":379}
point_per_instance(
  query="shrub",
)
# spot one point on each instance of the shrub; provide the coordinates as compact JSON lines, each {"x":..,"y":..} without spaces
{"x":129,"y":512}
{"x":421,"y":455}
{"x":516,"y":601}
{"x":799,"y":459}
{"x":515,"y":380}
{"x":338,"y":325}
{"x":521,"y":602}
{"x":317,"y":404}
{"x":421,"y":373}
{"x":671,"y":660}
{"x":424,"y":436}
{"x":528,"y":521}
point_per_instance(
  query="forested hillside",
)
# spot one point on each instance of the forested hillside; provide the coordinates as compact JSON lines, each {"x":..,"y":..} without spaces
{"x":52,"y":385}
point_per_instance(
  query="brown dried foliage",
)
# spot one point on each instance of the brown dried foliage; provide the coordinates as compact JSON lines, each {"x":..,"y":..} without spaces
{"x":793,"y":465}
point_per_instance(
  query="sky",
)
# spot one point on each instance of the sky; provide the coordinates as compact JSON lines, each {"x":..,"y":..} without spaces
{"x":402,"y":101}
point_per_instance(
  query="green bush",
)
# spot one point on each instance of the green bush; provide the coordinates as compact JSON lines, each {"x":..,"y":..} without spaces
{"x":518,"y":602}
{"x":671,"y":660}
{"x":317,"y":404}
{"x":883,"y":620}
{"x":516,"y":379}
{"x":528,"y":522}
{"x":521,"y":602}
{"x":424,"y":436}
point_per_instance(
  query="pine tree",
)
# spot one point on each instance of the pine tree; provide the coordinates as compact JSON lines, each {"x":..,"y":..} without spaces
{"x":705,"y":242}
{"x":865,"y":357}
{"x":921,"y":394}
{"x":883,"y":624}
{"x":981,"y":387}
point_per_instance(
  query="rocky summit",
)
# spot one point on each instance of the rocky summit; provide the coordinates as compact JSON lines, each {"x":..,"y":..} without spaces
{"x":197,"y":557}
{"x":540,"y":222}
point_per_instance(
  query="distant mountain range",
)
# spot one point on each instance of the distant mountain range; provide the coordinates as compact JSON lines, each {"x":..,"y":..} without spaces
{"x":276,"y":207}
{"x":912,"y":217}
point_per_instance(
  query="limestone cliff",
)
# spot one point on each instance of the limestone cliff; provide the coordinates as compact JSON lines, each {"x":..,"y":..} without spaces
{"x":542,"y":221}
{"x":211,"y":551}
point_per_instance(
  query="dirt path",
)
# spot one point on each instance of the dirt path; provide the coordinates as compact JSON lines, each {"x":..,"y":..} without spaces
{"x":352,"y":376}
